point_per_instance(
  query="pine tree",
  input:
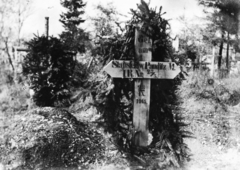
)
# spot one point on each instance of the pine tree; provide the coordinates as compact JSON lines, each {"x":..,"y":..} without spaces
{"x":73,"y":36}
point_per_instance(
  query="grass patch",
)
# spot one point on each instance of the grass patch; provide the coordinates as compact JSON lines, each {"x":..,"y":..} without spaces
{"x":208,"y":108}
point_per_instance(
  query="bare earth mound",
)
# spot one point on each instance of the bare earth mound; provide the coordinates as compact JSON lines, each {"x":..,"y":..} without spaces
{"x":46,"y":137}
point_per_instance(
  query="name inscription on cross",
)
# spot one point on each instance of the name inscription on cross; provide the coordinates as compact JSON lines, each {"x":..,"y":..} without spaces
{"x":142,"y":72}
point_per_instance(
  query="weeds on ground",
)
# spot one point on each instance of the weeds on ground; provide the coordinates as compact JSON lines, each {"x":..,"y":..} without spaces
{"x":14,"y":99}
{"x":14,"y":93}
{"x":207,"y":107}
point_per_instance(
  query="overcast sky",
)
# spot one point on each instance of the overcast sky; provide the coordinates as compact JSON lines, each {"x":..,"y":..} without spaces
{"x":35,"y":23}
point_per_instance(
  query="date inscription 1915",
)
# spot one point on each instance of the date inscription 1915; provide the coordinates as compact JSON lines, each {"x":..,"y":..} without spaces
{"x":141,"y":93}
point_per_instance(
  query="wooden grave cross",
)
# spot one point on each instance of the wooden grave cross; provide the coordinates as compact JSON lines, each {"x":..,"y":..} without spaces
{"x":143,"y":73}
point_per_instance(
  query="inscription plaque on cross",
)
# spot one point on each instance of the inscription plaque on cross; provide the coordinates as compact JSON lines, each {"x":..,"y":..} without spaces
{"x":142,"y":73}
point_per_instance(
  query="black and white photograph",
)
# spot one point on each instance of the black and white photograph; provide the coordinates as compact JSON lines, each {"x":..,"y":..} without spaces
{"x":119,"y":84}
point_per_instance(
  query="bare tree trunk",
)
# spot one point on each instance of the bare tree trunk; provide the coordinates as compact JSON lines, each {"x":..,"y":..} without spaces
{"x":22,"y":12}
{"x":8,"y":54}
{"x":220,"y":53}
{"x":227,"y":54}
{"x":19,"y":26}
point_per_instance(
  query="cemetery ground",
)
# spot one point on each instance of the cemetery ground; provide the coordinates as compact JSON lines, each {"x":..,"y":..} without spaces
{"x":212,"y":112}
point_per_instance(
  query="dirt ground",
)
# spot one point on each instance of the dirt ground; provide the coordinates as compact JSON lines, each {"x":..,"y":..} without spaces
{"x":205,"y":156}
{"x":209,"y":157}
{"x":216,"y":157}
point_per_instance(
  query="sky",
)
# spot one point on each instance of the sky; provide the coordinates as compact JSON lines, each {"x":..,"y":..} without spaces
{"x":35,"y":23}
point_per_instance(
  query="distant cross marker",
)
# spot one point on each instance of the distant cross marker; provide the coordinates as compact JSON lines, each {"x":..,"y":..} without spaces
{"x":143,"y":73}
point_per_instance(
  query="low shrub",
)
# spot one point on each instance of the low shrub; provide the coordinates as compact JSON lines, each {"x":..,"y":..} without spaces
{"x":49,"y":67}
{"x":47,"y":137}
{"x":6,"y":76}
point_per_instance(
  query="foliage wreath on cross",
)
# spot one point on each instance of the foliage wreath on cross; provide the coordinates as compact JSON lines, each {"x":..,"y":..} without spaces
{"x":142,"y":71}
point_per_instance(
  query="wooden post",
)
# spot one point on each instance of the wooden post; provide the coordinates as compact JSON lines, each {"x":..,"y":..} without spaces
{"x":47,"y":26}
{"x":142,"y":87}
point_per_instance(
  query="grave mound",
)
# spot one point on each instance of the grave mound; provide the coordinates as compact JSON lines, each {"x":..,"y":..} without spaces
{"x":47,"y":137}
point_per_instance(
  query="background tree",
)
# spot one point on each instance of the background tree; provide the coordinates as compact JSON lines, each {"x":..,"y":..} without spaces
{"x":106,"y":22}
{"x":12,"y":18}
{"x":6,"y":17}
{"x":106,"y":25}
{"x":75,"y":40}
{"x":224,"y":19}
{"x":191,"y":39}
{"x":23,"y":10}
{"x":73,"y":37}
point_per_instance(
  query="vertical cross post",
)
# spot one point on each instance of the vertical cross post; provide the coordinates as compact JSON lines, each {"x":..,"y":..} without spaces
{"x":142,"y":88}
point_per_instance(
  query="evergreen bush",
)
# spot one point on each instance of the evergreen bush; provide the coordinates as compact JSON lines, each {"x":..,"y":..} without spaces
{"x":50,"y":69}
